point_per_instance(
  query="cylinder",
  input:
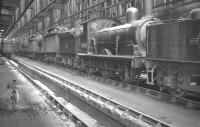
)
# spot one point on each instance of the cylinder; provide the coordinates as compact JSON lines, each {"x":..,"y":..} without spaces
{"x":131,"y":14}
{"x":148,"y":7}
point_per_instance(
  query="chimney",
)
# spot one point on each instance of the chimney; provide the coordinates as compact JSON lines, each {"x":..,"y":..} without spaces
{"x":147,"y":5}
{"x":131,"y":14}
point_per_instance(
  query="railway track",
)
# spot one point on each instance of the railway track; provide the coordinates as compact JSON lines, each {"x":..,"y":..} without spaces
{"x":189,"y":103}
{"x":186,"y":102}
{"x":60,"y":104}
{"x":98,"y":100}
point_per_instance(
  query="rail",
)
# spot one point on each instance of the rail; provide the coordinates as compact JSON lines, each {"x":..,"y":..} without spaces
{"x":106,"y":101}
{"x":59,"y":102}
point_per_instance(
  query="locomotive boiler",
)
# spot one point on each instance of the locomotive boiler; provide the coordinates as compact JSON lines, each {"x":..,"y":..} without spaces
{"x":127,"y":39}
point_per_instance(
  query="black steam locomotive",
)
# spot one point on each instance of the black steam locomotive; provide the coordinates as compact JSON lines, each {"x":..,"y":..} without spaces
{"x":167,"y":53}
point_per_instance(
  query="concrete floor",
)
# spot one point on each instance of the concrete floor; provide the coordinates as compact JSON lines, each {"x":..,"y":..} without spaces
{"x":176,"y":115}
{"x":32,"y":109}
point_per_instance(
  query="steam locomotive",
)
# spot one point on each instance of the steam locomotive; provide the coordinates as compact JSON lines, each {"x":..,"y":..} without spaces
{"x":168,"y":53}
